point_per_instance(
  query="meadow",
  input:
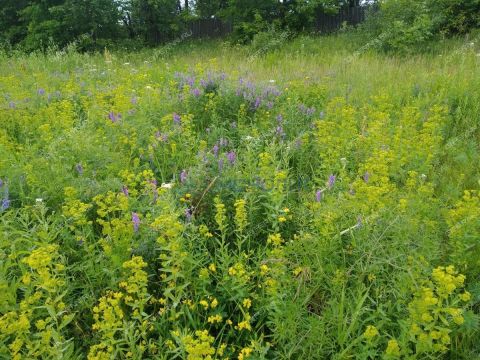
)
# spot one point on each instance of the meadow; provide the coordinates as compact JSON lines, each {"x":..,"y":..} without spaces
{"x":207,"y":201}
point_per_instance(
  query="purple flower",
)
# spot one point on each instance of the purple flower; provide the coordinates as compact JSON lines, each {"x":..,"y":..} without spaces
{"x":215,"y":150}
{"x":310,"y":111}
{"x":220,"y":164}
{"x":223,"y":142}
{"x":176,"y":118}
{"x":1,"y":183}
{"x":79,"y":169}
{"x":258,"y":101}
{"x":41,"y":92}
{"x":114,"y":117}
{"x":196,"y":92}
{"x":135,"y":221}
{"x":134,"y":100}
{"x":188,"y":214}
{"x":183,"y":176}
{"x":331,"y":180}
{"x":366,"y":176}
{"x":231,"y":157}
{"x":318,"y":195}
{"x":279,"y":131}
{"x":11,"y":105}
{"x":125,"y":190}
{"x":279,"y":118}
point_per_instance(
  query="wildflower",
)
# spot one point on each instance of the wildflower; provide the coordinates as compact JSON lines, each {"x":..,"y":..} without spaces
{"x":331,"y":181}
{"x":231,"y":157}
{"x":135,"y":221}
{"x":166,"y":185}
{"x":279,"y":131}
{"x":318,"y":195}
{"x":41,"y":92}
{"x":392,"y":348}
{"x":215,"y":150}
{"x":366,"y":176}
{"x":220,"y":165}
{"x":370,"y":332}
{"x":5,"y":204}
{"x":125,"y":190}
{"x":176,"y":118}
{"x":212,"y":267}
{"x":196,"y":92}
{"x":183,"y":176}
{"x":188,"y":214}
{"x":465,"y":296}
{"x":79,"y":169}
{"x":11,"y":105}
{"x":240,"y":215}
{"x":245,"y":353}
{"x":114,"y":117}
{"x":247,"y":303}
{"x":213,"y":319}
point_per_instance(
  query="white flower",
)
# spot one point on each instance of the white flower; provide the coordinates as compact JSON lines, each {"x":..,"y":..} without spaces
{"x":271,"y":81}
{"x":148,"y":87}
{"x":167,"y":185}
{"x":38,"y":200}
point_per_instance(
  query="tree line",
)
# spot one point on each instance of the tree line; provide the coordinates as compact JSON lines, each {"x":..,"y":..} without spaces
{"x":33,"y":24}
{"x":92,"y":24}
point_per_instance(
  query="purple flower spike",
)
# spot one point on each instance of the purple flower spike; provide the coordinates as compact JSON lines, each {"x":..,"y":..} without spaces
{"x":258,"y":101}
{"x":5,"y":204}
{"x":134,"y":100}
{"x":1,"y":183}
{"x":279,"y":131}
{"x":183,"y":176}
{"x":318,"y":195}
{"x":279,"y":118}
{"x":215,"y":150}
{"x":176,"y":118}
{"x":188,"y":214}
{"x":196,"y":92}
{"x":366,"y":176}
{"x":331,"y":180}
{"x":220,"y":165}
{"x":231,"y":157}
{"x":79,"y":169}
{"x":114,"y":117}
{"x":125,"y":190}
{"x":41,"y":92}
{"x":135,"y":221}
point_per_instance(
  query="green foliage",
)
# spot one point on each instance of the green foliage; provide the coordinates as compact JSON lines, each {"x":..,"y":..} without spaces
{"x":314,"y":202}
{"x":406,"y":25}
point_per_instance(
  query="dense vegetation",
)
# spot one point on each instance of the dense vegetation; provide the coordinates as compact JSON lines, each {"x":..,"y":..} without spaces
{"x":397,"y":25}
{"x":314,"y":201}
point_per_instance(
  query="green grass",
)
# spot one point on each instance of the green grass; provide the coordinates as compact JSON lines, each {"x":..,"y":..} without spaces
{"x":121,"y":233}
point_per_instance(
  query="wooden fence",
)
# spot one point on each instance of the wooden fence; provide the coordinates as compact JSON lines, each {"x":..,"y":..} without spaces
{"x":324,"y":23}
{"x":327,"y":23}
{"x":210,"y":28}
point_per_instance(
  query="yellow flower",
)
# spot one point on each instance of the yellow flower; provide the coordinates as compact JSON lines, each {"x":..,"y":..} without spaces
{"x":247,"y":303}
{"x":370,"y":332}
{"x":466,"y":296}
{"x":392,"y":348}
{"x":212,"y":267}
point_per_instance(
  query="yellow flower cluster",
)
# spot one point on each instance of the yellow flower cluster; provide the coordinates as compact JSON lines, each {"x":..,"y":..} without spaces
{"x":240,"y":215}
{"x":436,"y":309}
